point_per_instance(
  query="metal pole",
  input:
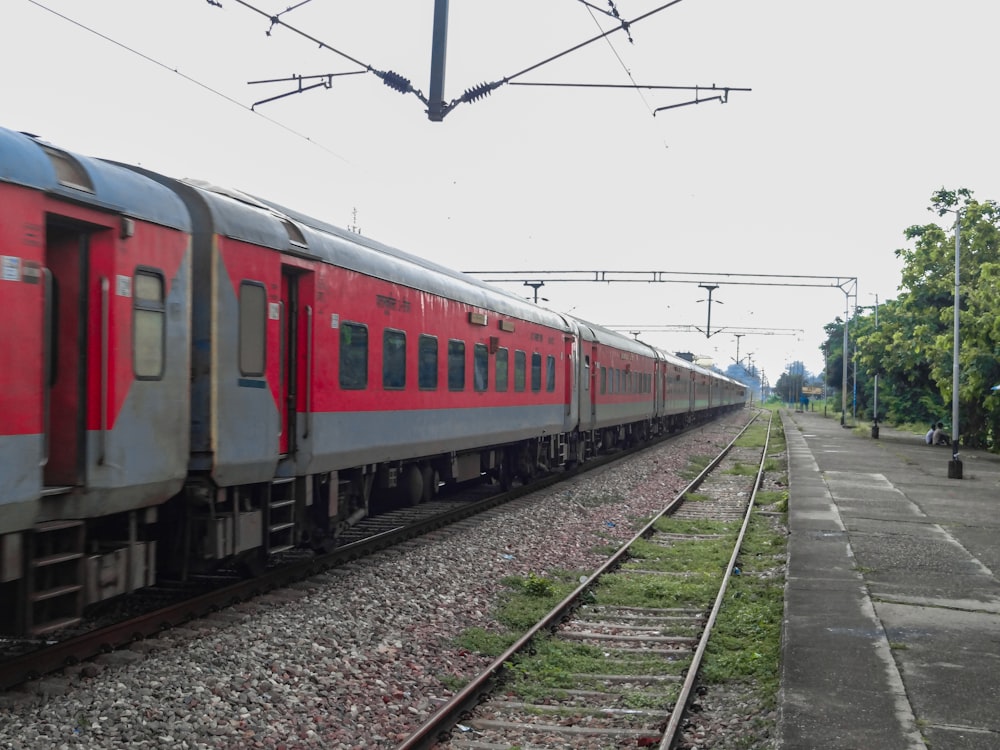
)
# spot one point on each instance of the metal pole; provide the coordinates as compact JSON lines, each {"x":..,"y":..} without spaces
{"x":439,"y":48}
{"x":854,"y":392}
{"x":875,"y":415}
{"x":826,"y":374}
{"x":955,"y":466}
{"x":843,"y":384}
{"x":708,"y":326}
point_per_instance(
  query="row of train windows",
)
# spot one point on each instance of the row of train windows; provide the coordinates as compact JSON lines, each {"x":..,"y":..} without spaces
{"x":354,"y":354}
{"x":614,"y":380}
{"x":149,"y":332}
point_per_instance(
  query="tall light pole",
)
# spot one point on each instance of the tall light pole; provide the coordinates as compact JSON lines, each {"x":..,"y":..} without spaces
{"x":955,"y":465}
{"x":843,"y":383}
{"x":875,"y":409}
{"x":826,"y":373}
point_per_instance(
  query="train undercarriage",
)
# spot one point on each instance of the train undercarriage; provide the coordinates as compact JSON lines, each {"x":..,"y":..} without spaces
{"x":53,"y":572}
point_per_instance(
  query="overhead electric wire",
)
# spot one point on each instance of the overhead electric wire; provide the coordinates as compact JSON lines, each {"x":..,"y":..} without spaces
{"x":591,"y":9}
{"x":188,"y":78}
{"x":624,"y":25}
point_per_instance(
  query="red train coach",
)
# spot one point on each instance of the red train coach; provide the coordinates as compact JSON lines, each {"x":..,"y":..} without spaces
{"x":330,"y":369}
{"x":190,"y":375}
{"x":616,"y":393}
{"x":675,"y":394}
{"x":93,"y":377}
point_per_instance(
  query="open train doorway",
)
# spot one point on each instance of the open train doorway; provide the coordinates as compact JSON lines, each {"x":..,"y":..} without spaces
{"x":297,"y":291}
{"x":67,"y":313}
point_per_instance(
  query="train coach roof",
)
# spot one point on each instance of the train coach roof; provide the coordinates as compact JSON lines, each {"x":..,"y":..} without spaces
{"x":258,"y":220}
{"x":673,"y":359}
{"x":599,"y":334}
{"x":26,"y":160}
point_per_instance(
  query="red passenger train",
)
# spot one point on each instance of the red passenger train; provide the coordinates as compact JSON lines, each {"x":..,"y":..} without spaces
{"x":189,"y":375}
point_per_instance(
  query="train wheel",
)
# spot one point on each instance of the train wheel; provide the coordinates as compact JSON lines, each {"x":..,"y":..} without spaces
{"x":431,"y":480}
{"x":412,"y":485}
{"x":504,"y":477}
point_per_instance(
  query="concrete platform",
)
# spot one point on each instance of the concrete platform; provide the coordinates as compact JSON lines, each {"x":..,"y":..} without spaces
{"x":892,"y":606}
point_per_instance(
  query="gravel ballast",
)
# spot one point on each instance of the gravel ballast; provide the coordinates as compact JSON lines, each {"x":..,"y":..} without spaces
{"x":356,"y":658}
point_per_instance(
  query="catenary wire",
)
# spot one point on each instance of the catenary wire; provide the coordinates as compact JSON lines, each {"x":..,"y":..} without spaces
{"x":189,"y":79}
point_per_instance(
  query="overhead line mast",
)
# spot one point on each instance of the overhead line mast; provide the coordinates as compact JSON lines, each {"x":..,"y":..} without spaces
{"x":847,"y":284}
{"x":437,"y":107}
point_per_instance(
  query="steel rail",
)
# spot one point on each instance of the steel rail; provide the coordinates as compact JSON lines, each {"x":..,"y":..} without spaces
{"x":681,"y":706}
{"x":449,"y":714}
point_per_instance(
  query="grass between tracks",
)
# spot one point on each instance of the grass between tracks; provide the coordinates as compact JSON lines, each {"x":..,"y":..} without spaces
{"x":744,"y":650}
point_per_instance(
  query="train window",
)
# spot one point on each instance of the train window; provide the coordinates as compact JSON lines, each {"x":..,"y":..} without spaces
{"x":149,"y":325}
{"x":536,"y":371}
{"x":519,"y":370}
{"x":618,"y":380}
{"x":427,"y":367}
{"x":586,"y":374}
{"x":393,"y":359}
{"x":69,"y":171}
{"x":550,"y":373}
{"x":503,"y":367}
{"x":604,"y":379}
{"x":253,"y":328}
{"x":456,"y":365}
{"x":480,"y":367}
{"x":353,"y":356}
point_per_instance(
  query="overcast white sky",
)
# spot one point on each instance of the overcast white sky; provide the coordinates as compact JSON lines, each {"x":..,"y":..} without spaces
{"x":860,"y":109}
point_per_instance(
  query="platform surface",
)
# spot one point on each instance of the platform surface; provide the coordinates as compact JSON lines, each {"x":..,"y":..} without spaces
{"x":891,"y":637}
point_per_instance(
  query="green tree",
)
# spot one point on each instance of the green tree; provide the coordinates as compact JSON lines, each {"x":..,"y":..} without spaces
{"x":912,"y":350}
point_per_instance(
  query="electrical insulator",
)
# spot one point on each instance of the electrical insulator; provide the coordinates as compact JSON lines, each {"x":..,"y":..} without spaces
{"x":483,"y":89}
{"x":397,"y":82}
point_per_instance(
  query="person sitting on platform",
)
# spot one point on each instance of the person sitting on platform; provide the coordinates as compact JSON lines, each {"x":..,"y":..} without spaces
{"x":940,"y":436}
{"x":929,"y":437}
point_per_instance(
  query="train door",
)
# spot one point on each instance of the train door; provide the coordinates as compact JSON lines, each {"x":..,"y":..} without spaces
{"x":65,"y":379}
{"x":655,"y":388}
{"x":593,"y":384}
{"x":569,"y":367}
{"x":289,"y":361}
{"x":296,"y":358}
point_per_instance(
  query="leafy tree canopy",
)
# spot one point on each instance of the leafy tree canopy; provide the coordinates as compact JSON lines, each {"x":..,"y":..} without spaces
{"x":911,"y":348}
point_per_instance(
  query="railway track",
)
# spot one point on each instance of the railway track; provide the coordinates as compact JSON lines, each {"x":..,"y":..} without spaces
{"x":615,"y":663}
{"x":172,"y":604}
